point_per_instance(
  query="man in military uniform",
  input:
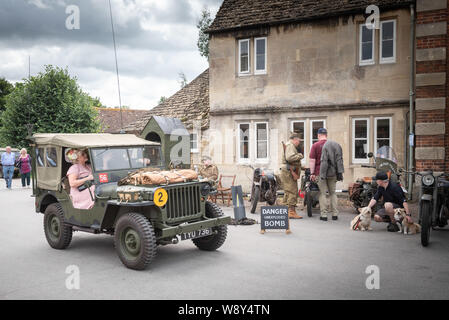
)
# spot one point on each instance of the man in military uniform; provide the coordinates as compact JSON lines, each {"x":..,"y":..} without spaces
{"x":208,"y":170}
{"x":290,"y":172}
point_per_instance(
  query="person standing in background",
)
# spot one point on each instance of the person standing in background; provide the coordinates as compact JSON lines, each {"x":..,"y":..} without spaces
{"x":315,"y":153}
{"x":331,"y":171}
{"x":208,"y":170}
{"x":8,"y":160}
{"x":24,"y":164}
{"x":290,"y":172}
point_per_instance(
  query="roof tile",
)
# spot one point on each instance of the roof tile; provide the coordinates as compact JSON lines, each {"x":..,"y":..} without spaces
{"x":235,"y":14}
{"x":189,"y":103}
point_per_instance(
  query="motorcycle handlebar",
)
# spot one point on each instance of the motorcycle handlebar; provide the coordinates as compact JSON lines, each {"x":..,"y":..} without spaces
{"x":423,"y":173}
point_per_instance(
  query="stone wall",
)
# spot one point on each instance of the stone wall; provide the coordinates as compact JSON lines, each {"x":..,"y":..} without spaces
{"x":431,"y":85}
{"x":223,"y":135}
{"x":310,"y":64}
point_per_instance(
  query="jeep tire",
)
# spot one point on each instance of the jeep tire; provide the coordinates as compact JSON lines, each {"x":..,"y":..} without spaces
{"x":135,"y":241}
{"x":215,"y":241}
{"x":58,"y":234}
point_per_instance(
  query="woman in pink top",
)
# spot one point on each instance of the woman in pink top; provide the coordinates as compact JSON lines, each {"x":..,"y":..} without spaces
{"x":78,"y":174}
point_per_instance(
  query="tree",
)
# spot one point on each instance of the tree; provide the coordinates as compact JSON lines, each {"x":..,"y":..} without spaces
{"x":182,"y":79}
{"x":5,"y":89}
{"x":162,"y":99}
{"x":51,"y":101}
{"x":123,"y":107}
{"x":95,"y":102}
{"x":203,"y":38}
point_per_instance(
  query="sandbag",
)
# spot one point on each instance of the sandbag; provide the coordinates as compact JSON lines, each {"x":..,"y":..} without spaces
{"x":147,"y":177}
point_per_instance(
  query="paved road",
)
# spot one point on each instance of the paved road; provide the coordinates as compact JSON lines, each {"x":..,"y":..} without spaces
{"x":318,"y":260}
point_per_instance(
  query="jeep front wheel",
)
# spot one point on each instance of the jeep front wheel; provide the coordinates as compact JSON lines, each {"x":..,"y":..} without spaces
{"x":215,"y":241}
{"x":135,"y":241}
{"x":58,"y":234}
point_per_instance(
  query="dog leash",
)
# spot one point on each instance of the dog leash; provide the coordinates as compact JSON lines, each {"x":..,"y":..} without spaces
{"x":356,"y":225}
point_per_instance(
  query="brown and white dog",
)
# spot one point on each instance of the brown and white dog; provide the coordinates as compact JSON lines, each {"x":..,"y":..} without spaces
{"x":363,"y":220}
{"x":407,"y":227}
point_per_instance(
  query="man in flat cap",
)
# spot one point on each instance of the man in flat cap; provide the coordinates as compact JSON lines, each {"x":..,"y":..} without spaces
{"x":208,"y":170}
{"x":290,"y":172}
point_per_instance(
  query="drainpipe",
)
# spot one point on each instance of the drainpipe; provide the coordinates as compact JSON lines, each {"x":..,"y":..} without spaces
{"x":412,"y":98}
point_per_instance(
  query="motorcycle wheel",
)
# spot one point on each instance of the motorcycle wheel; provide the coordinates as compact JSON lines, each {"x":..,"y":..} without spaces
{"x":426,"y":222}
{"x":309,"y":203}
{"x":254,"y":199}
{"x":442,"y":222}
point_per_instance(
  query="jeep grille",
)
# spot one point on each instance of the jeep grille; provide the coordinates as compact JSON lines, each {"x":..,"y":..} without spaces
{"x":183,"y":202}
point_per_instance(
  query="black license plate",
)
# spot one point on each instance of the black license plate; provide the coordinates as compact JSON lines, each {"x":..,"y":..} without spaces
{"x":196,"y":234}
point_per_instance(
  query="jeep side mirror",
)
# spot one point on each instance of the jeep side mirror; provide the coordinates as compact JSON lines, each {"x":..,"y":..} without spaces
{"x":370,"y":155}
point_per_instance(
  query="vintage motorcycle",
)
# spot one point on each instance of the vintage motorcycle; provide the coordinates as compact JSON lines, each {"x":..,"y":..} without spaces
{"x":433,"y":203}
{"x":264,"y":187}
{"x":309,"y":191}
{"x":362,"y":191}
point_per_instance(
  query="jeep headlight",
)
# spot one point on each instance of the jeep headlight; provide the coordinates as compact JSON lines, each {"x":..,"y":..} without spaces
{"x":205,"y":189}
{"x":428,"y":180}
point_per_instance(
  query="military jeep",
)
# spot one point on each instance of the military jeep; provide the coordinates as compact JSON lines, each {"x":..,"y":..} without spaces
{"x":140,"y":217}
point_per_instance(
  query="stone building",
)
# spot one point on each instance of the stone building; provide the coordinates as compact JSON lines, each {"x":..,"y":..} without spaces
{"x":191,"y":106}
{"x":284,"y":65}
{"x":278,"y":66}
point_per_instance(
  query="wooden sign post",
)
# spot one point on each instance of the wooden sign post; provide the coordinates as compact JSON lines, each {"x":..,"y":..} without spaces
{"x":274,"y":218}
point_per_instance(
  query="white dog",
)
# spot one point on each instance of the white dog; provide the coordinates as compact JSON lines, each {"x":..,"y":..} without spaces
{"x":363,"y":220}
{"x":406,"y":227}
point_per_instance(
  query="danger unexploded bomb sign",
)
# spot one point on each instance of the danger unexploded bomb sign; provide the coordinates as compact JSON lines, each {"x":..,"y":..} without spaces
{"x":274,"y":217}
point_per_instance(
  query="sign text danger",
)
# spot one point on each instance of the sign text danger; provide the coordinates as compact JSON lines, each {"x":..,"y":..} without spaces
{"x":275,"y":217}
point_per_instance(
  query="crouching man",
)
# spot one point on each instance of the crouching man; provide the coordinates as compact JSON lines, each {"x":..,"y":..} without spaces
{"x":393,"y":198}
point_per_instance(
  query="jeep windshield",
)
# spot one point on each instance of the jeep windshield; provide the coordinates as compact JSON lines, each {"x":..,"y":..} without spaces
{"x":105,"y":159}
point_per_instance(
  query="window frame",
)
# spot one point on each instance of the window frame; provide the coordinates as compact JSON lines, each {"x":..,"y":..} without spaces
{"x":256,"y":142}
{"x":370,"y":61}
{"x":390,"y":59}
{"x":41,"y":156}
{"x":305,"y":133}
{"x":194,"y":150}
{"x":240,"y":159}
{"x":311,"y":129}
{"x":375,"y":131}
{"x":249,"y":57}
{"x":48,"y":164}
{"x":264,"y":71}
{"x":353,"y":139}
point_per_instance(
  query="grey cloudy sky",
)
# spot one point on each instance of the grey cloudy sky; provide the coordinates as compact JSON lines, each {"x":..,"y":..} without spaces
{"x":156,"y":40}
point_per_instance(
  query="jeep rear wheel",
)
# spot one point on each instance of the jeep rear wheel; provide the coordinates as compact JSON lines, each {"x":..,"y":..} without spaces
{"x":58,"y":234}
{"x":215,"y":241}
{"x":135,"y":241}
